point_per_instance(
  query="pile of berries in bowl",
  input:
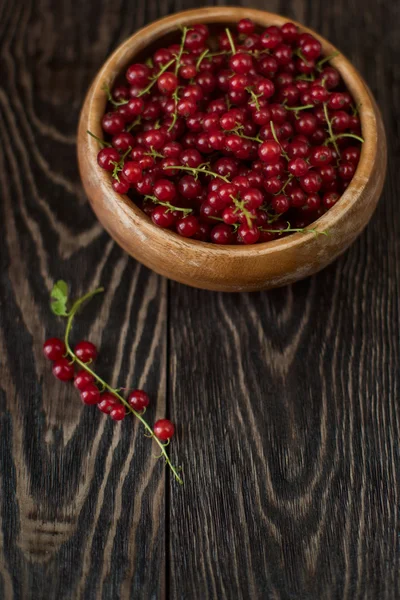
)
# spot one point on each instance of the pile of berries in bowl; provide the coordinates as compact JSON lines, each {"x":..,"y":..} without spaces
{"x":230,"y":135}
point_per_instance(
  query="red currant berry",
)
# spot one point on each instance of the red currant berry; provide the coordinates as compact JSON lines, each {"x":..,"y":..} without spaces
{"x":123,"y":141}
{"x":346,"y":170}
{"x":340,"y":121}
{"x":167,"y":83}
{"x":162,"y":216}
{"x":311,"y":48}
{"x":164,"y":429}
{"x":306,"y":124}
{"x":289,"y":33}
{"x":164,"y":190}
{"x":121,"y":186}
{"x":222,"y":234}
{"x":107,"y":402}
{"x":241,"y":63}
{"x":298,"y":167}
{"x":313,"y":202}
{"x":132,"y":172}
{"x":248,"y":235}
{"x":186,"y":108}
{"x":154,"y":138}
{"x":90,"y":394}
{"x":269,"y":152}
{"x":138,"y":74}
{"x":85,"y":351}
{"x":187,"y":226}
{"x":189,"y":187}
{"x":112,"y":123}
{"x":272,"y":185}
{"x":311,"y":182}
{"x":280,"y":204}
{"x":351,"y":154}
{"x":246,"y":26}
{"x":330,"y":199}
{"x":107,"y":157}
{"x":54,"y":348}
{"x":118,"y":412}
{"x":320,"y":156}
{"x":63,"y":369}
{"x":138,"y":399}
{"x":82,"y":379}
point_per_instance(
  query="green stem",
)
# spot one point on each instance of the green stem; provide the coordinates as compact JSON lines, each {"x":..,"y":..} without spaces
{"x":350,"y":135}
{"x":170,"y":206}
{"x":296,"y":108}
{"x":231,"y":42}
{"x":105,"y":385}
{"x":178,"y":58}
{"x":254,"y":97}
{"x":107,"y":90}
{"x":284,"y":185}
{"x":137,"y":121}
{"x":293,"y":230}
{"x":326,"y":59}
{"x":118,"y":166}
{"x":332,"y":138}
{"x":196,"y":170}
{"x":101,"y":142}
{"x":277,"y":141}
{"x":201,"y":58}
{"x":240,"y":206}
{"x":153,"y":81}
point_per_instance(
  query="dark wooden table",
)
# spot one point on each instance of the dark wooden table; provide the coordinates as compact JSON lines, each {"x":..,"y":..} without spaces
{"x":287,"y":403}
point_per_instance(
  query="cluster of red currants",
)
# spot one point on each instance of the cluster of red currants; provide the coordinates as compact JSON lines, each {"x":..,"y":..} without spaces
{"x":233,"y":139}
{"x":55,"y":350}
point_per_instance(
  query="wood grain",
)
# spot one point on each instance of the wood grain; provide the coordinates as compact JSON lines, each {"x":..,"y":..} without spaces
{"x":286,"y":403}
{"x":82,"y":500}
{"x":289,"y":403}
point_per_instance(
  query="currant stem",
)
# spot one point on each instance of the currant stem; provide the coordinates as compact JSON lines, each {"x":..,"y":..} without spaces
{"x":240,"y":206}
{"x":84,"y":366}
{"x":178,"y":58}
{"x":296,"y":108}
{"x":137,"y":121}
{"x":254,"y":97}
{"x":332,"y":138}
{"x":326,"y":59}
{"x":153,"y":81}
{"x":284,"y":185}
{"x":277,"y":141}
{"x":196,"y":170}
{"x":293,"y":230}
{"x":231,"y":42}
{"x":118,"y":166}
{"x":101,"y":142}
{"x":350,"y":135}
{"x":170,"y":206}
{"x":107,"y":90}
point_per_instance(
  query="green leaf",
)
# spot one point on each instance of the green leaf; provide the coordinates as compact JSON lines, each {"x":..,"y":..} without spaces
{"x":59,"y":295}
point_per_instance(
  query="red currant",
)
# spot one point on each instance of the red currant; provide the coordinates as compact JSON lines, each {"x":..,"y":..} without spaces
{"x":164,"y":429}
{"x":54,"y":348}
{"x":85,"y":351}
{"x":63,"y":369}
{"x":82,"y":379}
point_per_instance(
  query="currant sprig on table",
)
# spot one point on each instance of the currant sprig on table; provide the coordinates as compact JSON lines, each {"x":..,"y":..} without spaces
{"x":93,"y":389}
{"x":228,"y":138}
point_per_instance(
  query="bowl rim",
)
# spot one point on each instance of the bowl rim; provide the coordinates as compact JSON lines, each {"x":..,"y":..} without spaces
{"x":96,"y":101}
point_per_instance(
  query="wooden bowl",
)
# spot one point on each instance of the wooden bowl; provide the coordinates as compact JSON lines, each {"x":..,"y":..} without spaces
{"x":229,"y":268}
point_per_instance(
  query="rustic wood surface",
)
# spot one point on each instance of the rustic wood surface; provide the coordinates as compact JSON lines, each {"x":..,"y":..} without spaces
{"x":286,"y":402}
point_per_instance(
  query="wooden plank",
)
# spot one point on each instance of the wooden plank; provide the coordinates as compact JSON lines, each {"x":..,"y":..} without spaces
{"x":287,"y":402}
{"x":82,"y":499}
